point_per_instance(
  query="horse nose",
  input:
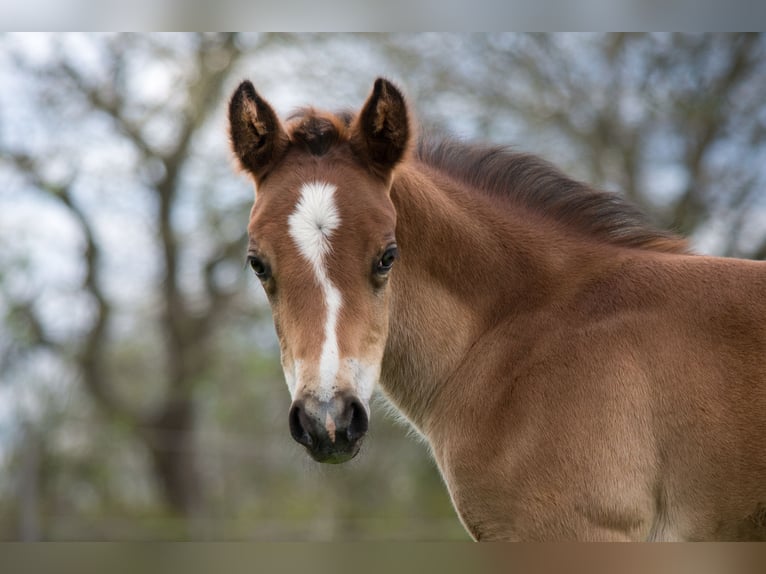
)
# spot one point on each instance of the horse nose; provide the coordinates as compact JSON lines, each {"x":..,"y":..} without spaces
{"x":330,"y":430}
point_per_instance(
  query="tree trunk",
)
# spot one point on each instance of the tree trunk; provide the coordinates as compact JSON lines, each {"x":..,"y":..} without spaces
{"x":169,"y":437}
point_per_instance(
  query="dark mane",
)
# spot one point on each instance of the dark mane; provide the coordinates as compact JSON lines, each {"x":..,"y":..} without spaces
{"x":521,"y":179}
{"x":527,"y":180}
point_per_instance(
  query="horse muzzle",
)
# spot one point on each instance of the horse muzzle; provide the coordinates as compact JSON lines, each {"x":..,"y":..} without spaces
{"x":331,"y":431}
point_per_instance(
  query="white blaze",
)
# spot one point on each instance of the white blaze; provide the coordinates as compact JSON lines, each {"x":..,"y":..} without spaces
{"x":311,"y":226}
{"x":366,"y":376}
{"x":290,"y":378}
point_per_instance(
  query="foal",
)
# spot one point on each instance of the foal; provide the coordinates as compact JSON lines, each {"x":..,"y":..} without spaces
{"x":576,"y":373}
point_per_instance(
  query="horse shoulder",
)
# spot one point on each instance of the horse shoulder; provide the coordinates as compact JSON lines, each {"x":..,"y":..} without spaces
{"x":571,"y":413}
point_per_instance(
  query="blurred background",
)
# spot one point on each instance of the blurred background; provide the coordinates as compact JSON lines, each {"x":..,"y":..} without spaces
{"x":141,"y":395}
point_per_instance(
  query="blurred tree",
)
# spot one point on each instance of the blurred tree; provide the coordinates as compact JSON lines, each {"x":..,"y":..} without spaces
{"x":187,"y":329}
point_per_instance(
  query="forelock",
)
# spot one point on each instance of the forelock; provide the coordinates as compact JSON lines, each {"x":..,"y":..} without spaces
{"x":318,"y":131}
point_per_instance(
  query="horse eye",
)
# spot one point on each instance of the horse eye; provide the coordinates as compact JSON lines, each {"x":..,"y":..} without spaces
{"x":259,"y":267}
{"x":386,"y":261}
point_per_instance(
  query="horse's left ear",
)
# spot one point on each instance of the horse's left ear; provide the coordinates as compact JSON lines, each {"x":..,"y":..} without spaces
{"x":381,"y":132}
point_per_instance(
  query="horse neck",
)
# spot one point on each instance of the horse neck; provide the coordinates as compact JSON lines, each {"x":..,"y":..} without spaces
{"x":466,"y":262}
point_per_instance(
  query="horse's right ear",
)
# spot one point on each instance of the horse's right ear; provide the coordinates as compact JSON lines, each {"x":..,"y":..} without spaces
{"x":257,"y":137}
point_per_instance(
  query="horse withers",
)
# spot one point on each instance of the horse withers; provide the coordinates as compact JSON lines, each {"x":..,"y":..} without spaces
{"x":577,"y":372}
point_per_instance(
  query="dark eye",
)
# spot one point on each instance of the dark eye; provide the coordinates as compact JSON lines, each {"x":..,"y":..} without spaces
{"x":386,"y":260}
{"x":259,"y":267}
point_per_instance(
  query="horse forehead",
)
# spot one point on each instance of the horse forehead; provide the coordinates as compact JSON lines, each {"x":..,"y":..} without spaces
{"x":312,"y":204}
{"x":314,"y":220}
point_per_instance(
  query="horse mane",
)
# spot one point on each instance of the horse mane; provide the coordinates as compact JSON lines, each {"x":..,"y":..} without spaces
{"x":519,"y":179}
{"x":529,"y":181}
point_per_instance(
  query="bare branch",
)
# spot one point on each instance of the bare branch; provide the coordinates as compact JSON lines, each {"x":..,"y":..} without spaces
{"x":112,"y":104}
{"x":692,"y":208}
{"x":90,"y":357}
{"x":184,"y":335}
{"x":217,"y":298}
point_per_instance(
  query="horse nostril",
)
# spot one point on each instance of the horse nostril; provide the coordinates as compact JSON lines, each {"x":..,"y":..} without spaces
{"x":358,"y":422}
{"x":297,"y":427}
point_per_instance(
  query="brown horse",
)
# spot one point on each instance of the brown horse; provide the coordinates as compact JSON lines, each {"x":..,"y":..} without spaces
{"x":577,"y":373}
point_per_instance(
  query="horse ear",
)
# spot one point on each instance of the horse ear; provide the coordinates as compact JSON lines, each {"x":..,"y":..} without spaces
{"x":257,"y":136}
{"x":381,"y":133}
